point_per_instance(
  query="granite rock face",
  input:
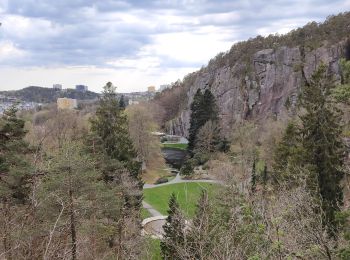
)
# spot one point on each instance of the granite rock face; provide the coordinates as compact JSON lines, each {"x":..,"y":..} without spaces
{"x":269,"y":87}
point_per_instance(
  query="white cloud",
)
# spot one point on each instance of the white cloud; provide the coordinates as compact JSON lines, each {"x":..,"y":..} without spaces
{"x":191,"y":47}
{"x":138,"y":63}
{"x":9,"y":52}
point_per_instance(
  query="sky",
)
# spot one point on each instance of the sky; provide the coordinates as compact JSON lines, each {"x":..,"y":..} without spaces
{"x":134,"y":43}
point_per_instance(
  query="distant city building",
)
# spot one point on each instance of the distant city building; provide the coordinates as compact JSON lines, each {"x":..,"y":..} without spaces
{"x":162,"y":87}
{"x":57,"y":86}
{"x":133,"y":102}
{"x":81,"y":88}
{"x":67,"y":103}
{"x":151,"y":89}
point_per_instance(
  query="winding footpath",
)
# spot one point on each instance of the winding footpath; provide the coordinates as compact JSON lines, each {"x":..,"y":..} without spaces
{"x":177,"y":179}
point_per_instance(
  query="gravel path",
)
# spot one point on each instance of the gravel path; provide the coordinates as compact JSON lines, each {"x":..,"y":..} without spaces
{"x":177,"y":179}
{"x":151,"y":210}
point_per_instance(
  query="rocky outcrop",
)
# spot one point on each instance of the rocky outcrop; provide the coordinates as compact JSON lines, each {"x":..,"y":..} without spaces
{"x":268,"y":84}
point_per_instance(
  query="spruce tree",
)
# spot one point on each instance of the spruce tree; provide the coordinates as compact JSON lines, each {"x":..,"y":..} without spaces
{"x":174,"y":236}
{"x":122,"y":103}
{"x":210,"y":107}
{"x":321,"y":140}
{"x":203,"y":109}
{"x":111,"y":136}
{"x":196,"y":120}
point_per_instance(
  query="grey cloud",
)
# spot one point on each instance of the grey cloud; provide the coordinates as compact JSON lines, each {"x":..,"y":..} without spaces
{"x":90,"y":32}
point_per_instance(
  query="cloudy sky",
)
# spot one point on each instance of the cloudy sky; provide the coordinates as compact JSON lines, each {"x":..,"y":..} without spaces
{"x":134,"y":43}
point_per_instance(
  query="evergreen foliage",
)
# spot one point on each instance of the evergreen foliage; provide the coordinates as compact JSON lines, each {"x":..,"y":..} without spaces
{"x":196,"y":120}
{"x":203,"y":109}
{"x":15,"y":172}
{"x":342,"y":92}
{"x":315,"y":149}
{"x":321,"y":140}
{"x":174,"y":234}
{"x":15,"y":175}
{"x":122,"y":103}
{"x":287,"y":156}
{"x":110,"y":133}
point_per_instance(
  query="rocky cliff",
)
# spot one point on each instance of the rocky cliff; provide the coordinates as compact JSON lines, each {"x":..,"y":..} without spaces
{"x":265,"y":84}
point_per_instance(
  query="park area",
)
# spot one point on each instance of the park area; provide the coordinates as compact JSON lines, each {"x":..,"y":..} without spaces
{"x":187,"y":194}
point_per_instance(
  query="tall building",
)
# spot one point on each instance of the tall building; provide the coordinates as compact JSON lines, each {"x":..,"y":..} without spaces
{"x":81,"y":88}
{"x":67,"y":103}
{"x":162,"y":87}
{"x":57,"y":86}
{"x":151,"y":89}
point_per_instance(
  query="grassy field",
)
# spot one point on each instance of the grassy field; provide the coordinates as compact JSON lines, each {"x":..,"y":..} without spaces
{"x":175,"y":146}
{"x":153,"y":249}
{"x":187,"y":196}
{"x":145,"y":213}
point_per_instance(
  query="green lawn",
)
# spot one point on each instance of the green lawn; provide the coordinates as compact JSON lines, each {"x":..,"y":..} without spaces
{"x":175,"y":146}
{"x":153,"y":249}
{"x":145,"y":213}
{"x":187,"y":196}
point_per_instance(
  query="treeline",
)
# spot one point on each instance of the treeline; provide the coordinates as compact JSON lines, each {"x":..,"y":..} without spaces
{"x":70,"y":186}
{"x":48,"y":95}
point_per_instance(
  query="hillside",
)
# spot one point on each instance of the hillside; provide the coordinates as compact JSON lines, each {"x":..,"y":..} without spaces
{"x":260,"y":77}
{"x":48,"y":95}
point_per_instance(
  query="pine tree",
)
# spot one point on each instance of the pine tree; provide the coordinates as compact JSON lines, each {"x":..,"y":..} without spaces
{"x":210,"y":107}
{"x":122,"y":103}
{"x":203,"y":109}
{"x":174,"y":236}
{"x":196,"y":120}
{"x":321,"y":140}
{"x":110,"y":130}
{"x":15,"y":172}
{"x":110,"y":142}
{"x":72,"y":196}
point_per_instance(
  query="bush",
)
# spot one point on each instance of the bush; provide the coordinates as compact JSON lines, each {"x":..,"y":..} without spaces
{"x":161,"y":180}
{"x":205,"y":167}
{"x":187,"y":168}
{"x":200,"y":158}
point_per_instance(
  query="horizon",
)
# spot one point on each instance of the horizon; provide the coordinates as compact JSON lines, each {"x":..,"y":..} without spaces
{"x":134,"y":44}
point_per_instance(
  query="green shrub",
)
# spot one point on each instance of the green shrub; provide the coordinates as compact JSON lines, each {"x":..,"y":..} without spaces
{"x":200,"y":158}
{"x":161,"y":180}
{"x":187,"y":168}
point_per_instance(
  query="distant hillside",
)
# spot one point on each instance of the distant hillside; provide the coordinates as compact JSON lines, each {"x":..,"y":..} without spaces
{"x":48,"y":95}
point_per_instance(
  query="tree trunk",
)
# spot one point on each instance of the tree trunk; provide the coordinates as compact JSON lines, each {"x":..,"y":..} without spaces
{"x":72,"y":225}
{"x":7,"y":238}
